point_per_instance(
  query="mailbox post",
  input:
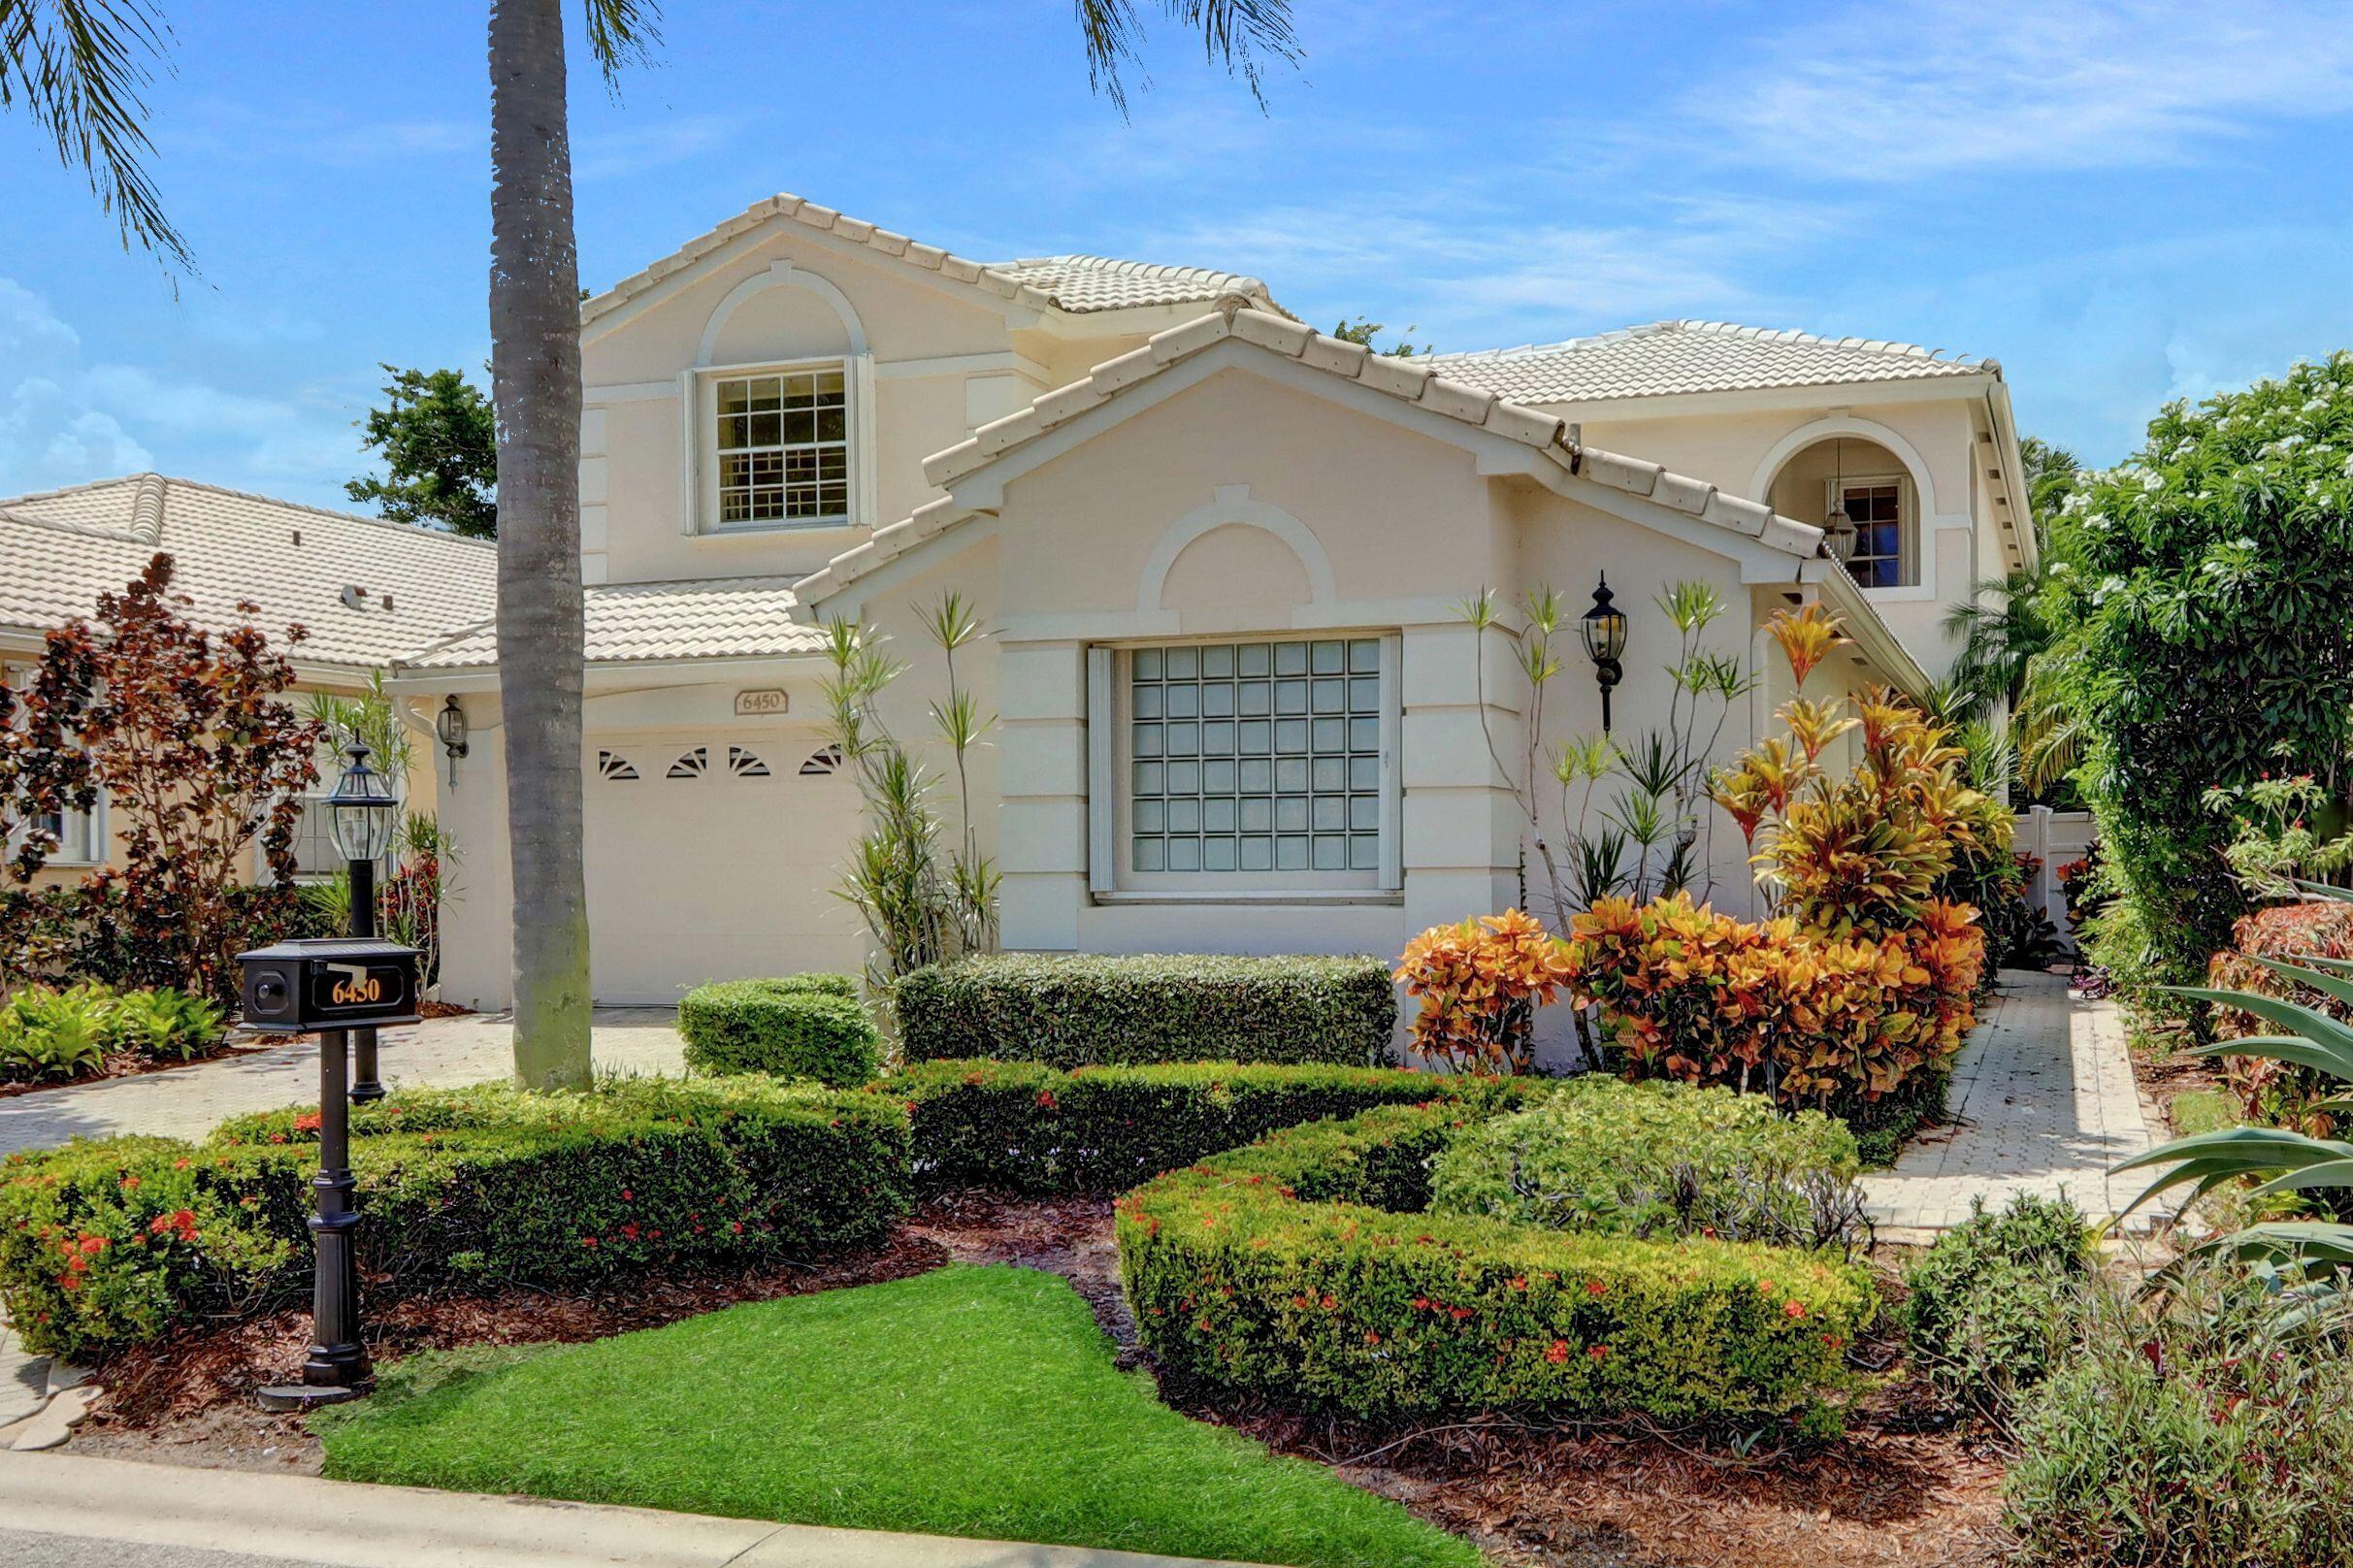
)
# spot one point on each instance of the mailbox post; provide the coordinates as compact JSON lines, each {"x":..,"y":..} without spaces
{"x":330,"y":986}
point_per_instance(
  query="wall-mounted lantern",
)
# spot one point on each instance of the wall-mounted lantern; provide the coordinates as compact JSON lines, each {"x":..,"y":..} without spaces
{"x":1604,"y":628}
{"x":450,"y":725}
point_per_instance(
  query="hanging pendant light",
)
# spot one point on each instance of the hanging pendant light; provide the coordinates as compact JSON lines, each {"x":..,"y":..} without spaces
{"x":1837,"y":528}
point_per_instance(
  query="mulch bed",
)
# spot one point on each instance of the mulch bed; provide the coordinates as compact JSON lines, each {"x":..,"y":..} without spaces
{"x":1901,"y":1487}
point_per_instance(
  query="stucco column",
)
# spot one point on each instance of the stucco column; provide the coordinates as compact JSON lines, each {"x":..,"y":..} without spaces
{"x":1041,"y":837}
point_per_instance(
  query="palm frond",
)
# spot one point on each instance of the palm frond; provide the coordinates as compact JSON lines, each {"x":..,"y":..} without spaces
{"x":81,"y":68}
{"x":1235,"y":34}
{"x":622,"y":33}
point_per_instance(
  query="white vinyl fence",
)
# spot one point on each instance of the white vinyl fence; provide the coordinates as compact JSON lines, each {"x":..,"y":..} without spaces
{"x":2053,"y":838}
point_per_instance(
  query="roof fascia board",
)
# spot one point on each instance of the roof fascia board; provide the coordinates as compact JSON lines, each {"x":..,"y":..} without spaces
{"x":604,"y":676}
{"x":1861,"y":621}
{"x":2013,"y":471}
{"x":1769,"y":398}
{"x":776,"y":225}
{"x":848,"y":601}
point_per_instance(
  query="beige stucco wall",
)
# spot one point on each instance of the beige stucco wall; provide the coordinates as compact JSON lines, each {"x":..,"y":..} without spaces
{"x":929,"y":361}
{"x":1783,"y":455}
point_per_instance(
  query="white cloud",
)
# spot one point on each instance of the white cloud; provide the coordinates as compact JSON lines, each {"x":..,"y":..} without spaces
{"x":1893,"y":92}
{"x":64,"y":419}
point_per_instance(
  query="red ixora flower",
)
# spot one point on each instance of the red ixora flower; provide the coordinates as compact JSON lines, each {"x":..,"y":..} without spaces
{"x":1793,"y":1308}
{"x":1599,"y":1353}
{"x":1045,"y":1100}
{"x":1596,"y":1288}
{"x":308,"y":1122}
{"x":588,"y":1241}
{"x":1557,"y":1351}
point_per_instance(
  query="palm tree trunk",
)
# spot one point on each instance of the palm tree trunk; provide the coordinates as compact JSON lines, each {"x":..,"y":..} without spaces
{"x":535,"y":362}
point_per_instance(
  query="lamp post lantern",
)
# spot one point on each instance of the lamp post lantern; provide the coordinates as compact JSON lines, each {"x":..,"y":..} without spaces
{"x":362,"y":813}
{"x":1604,"y":630}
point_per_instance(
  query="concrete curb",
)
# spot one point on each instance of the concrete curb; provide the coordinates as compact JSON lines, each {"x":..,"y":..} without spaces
{"x":353,"y":1525}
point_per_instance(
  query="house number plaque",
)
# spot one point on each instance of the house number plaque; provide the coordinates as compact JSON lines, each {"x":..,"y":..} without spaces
{"x":760,"y":703}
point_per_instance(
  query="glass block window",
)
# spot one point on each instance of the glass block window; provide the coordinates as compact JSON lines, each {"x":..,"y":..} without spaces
{"x":1876,"y":507}
{"x":1255,"y":757}
{"x":784,"y":452}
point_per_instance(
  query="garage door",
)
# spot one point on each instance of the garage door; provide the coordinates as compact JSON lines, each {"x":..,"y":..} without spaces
{"x":714,"y":856}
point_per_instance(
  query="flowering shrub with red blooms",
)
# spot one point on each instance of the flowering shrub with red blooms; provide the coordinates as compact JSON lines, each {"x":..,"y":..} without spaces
{"x":1305,"y":1266}
{"x":1479,"y":984}
{"x":1026,"y":1125}
{"x":474,"y":1187}
{"x":2278,"y":1092}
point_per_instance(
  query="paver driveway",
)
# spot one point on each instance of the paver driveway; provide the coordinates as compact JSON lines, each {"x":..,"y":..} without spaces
{"x":185,"y":1103}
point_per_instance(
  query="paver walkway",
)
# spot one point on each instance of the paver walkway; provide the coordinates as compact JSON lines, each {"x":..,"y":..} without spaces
{"x":185,"y":1103}
{"x":2043,"y":1101}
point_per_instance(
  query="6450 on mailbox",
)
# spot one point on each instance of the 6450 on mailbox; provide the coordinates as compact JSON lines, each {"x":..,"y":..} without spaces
{"x":310,"y":984}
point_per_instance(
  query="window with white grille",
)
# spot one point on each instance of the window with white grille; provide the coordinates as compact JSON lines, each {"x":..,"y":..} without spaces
{"x":782,"y":448}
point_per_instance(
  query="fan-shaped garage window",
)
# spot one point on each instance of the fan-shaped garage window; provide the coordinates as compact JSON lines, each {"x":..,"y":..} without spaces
{"x":691,"y":764}
{"x":825,"y":760}
{"x":746,"y":764}
{"x":613,"y":766}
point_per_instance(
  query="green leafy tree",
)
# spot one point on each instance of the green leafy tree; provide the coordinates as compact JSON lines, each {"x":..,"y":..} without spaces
{"x":2201,"y":604}
{"x":441,"y":445}
{"x":1364,"y":329}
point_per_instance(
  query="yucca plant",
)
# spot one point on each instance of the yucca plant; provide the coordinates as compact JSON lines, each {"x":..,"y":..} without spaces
{"x":2309,"y":1259}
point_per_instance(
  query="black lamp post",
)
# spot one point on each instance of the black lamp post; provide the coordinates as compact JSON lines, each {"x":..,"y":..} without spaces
{"x":362,"y":813}
{"x":1604,"y":628}
{"x":363,"y":979}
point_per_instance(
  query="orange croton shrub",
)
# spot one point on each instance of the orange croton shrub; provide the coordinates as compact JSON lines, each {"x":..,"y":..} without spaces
{"x":1479,"y":984}
{"x":1774,"y":1006}
{"x":1864,"y":976}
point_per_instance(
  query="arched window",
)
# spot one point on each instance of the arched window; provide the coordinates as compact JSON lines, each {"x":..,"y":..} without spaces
{"x":613,"y":766}
{"x":691,"y":764}
{"x":823,"y":760}
{"x":744,"y":765}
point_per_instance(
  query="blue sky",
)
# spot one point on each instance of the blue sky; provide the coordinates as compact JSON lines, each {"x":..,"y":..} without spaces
{"x":2123,"y":202}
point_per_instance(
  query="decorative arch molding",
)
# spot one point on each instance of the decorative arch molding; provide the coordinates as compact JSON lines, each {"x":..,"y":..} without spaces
{"x":1829,"y":426}
{"x":782,"y":275}
{"x":1231,"y":505}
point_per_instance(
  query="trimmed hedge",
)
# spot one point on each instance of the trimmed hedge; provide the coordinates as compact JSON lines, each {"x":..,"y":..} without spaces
{"x":1300,"y":1267}
{"x":109,"y":1242}
{"x":1651,"y":1160}
{"x":1073,"y":1010}
{"x":1034,"y":1128}
{"x":806,"y":1026}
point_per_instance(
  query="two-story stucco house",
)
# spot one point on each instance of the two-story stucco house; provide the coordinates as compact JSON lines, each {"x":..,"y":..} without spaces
{"x":1220,"y":556}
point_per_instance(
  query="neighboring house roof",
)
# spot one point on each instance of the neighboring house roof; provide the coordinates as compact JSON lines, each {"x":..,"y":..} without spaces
{"x":626,"y":622}
{"x":61,"y":549}
{"x":1083,"y":284}
{"x":1409,"y":381}
{"x":1668,"y":357}
{"x":1075,"y":286}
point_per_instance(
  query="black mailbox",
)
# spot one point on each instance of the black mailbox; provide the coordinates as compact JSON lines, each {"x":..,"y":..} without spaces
{"x":315,"y":983}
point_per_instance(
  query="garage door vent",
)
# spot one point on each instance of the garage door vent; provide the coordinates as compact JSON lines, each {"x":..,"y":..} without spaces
{"x":744,"y":765}
{"x":693,"y":765}
{"x":821,"y":762}
{"x":613,"y":766}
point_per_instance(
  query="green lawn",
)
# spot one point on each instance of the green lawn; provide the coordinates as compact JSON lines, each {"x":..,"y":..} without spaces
{"x":970,"y":1401}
